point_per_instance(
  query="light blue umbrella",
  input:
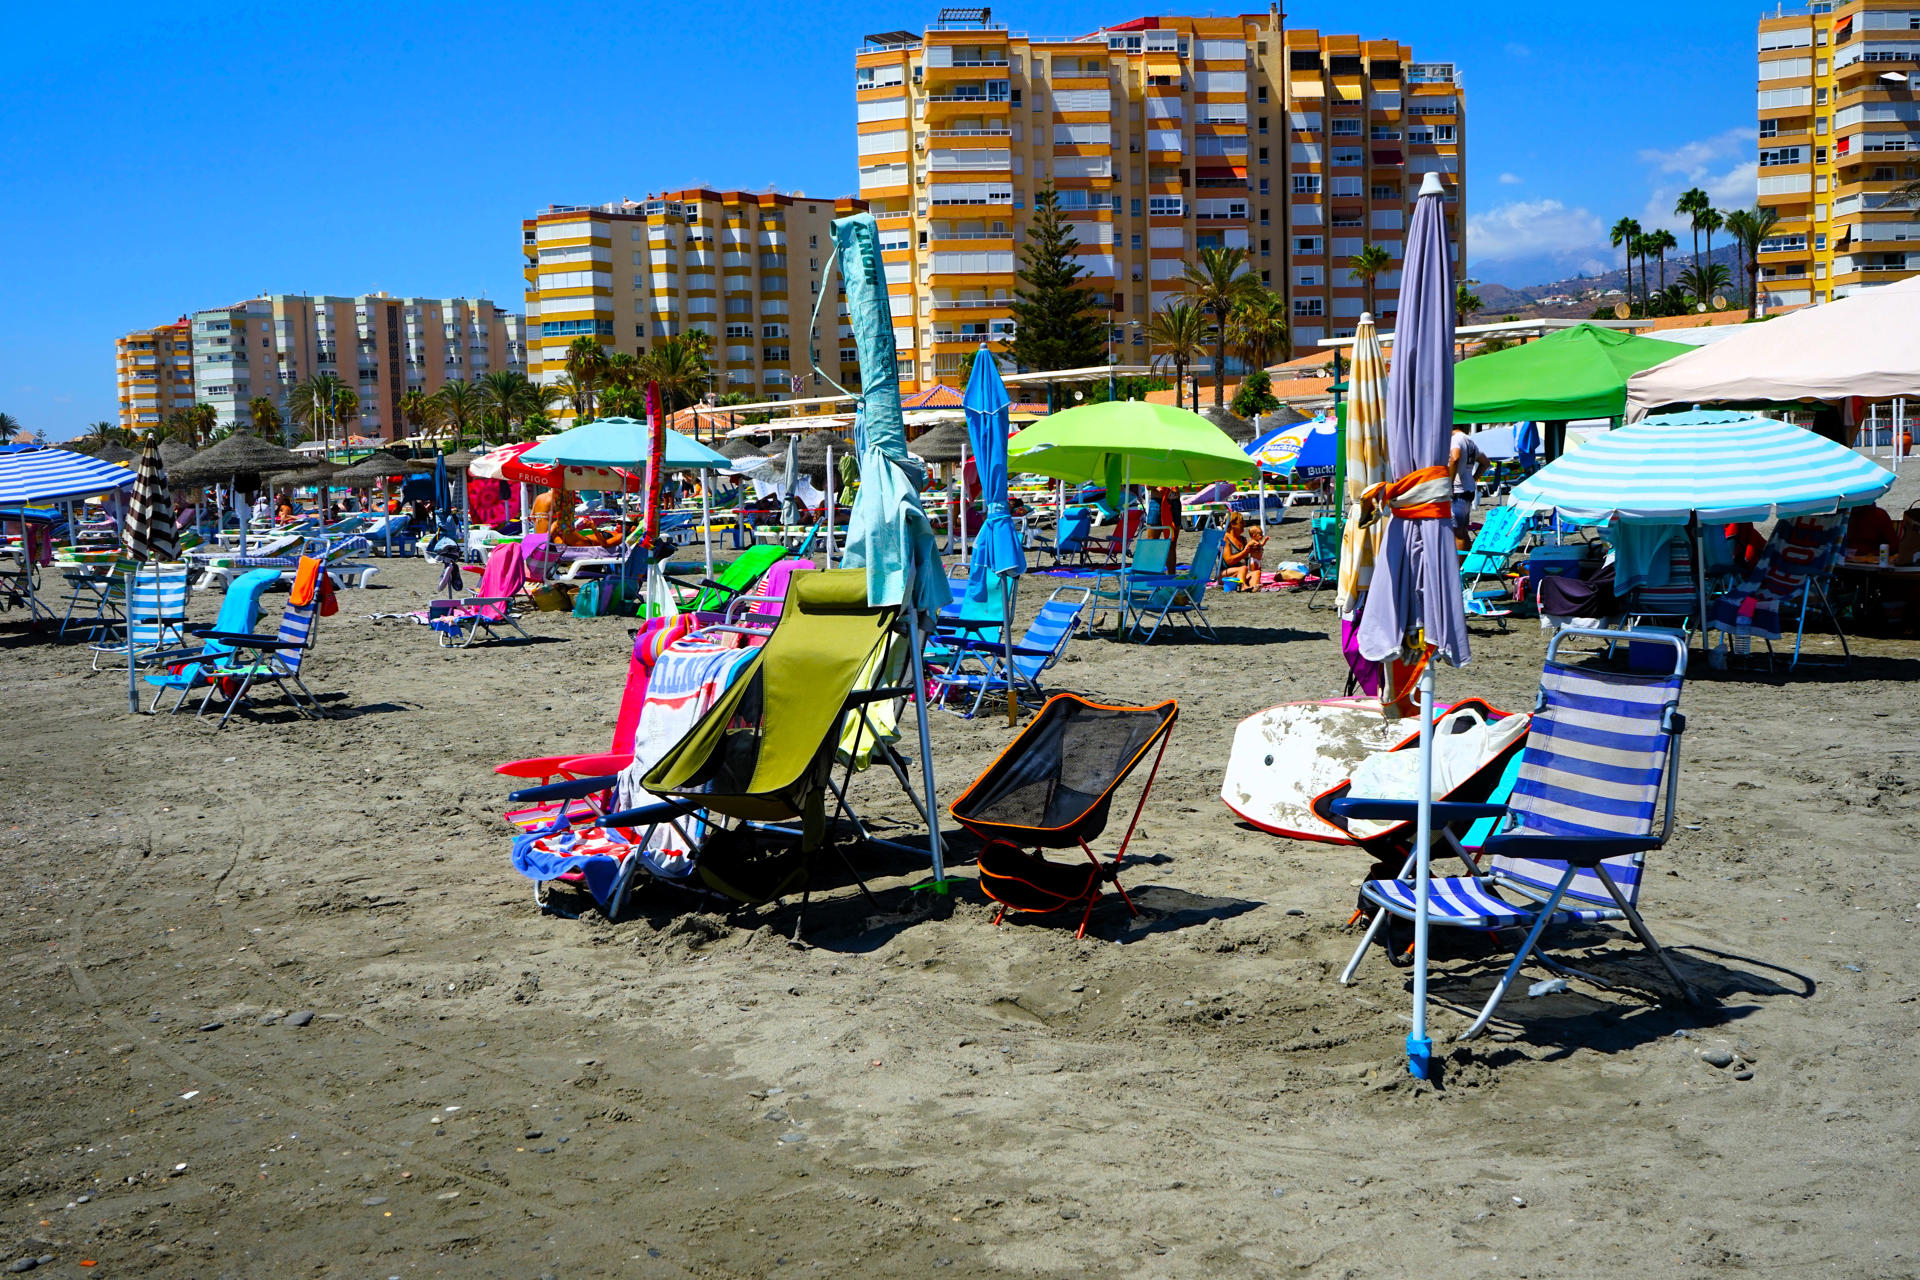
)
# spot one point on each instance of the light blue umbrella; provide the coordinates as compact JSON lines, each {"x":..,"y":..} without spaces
{"x":622,"y":442}
{"x":888,"y":533}
{"x":1414,"y":600}
{"x":996,"y":550}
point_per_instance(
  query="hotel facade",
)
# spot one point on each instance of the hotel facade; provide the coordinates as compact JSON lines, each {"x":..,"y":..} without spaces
{"x":381,"y":347}
{"x":1839,"y":132}
{"x":744,"y":268}
{"x":153,"y":371}
{"x":1162,"y":137}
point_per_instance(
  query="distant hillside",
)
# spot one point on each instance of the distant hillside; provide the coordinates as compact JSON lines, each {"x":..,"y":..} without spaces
{"x":1579,"y":295}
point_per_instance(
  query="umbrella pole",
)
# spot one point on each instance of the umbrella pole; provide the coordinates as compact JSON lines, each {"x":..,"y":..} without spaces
{"x":1010,"y":582}
{"x":706,"y":516}
{"x":1126,"y":559}
{"x":1262,"y":480}
{"x":829,"y":506}
{"x":960,"y":505}
{"x":1419,"y":1044}
{"x":133,"y":696}
{"x":939,"y":881}
{"x":1699,"y":576}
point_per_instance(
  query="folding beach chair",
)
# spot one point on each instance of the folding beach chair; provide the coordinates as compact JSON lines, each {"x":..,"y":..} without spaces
{"x":155,"y":618}
{"x":1790,"y":574}
{"x":712,"y":595}
{"x":1571,"y":840}
{"x":980,"y":666}
{"x":1182,"y":596}
{"x":1150,"y":558}
{"x":1483,"y":566}
{"x":1675,"y":603}
{"x":239,"y":611}
{"x":1052,"y":788}
{"x":275,"y":659}
{"x":1323,"y":554}
{"x":745,"y":790}
{"x":490,"y":609}
{"x":1071,"y":535}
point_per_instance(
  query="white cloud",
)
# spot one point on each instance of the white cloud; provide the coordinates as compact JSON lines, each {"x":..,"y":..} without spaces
{"x":1511,"y":179}
{"x":1723,"y":166}
{"x":1534,"y":229}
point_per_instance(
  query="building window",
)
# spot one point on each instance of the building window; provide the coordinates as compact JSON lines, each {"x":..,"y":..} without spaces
{"x":1263,"y":93}
{"x":572,"y":328}
{"x":1264,"y":191}
{"x":1820,"y":240}
{"x":1309,"y":307}
{"x":1819,"y":97}
{"x":1769,"y":128}
{"x":1306,"y":184}
{"x":1263,"y":124}
{"x":1386,"y":193}
{"x":1263,"y":155}
{"x":1136,"y":242}
{"x":1266,"y":277}
{"x":1266,"y":248}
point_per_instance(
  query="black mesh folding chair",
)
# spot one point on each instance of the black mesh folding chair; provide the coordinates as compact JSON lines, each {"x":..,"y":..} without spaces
{"x":1052,"y":788}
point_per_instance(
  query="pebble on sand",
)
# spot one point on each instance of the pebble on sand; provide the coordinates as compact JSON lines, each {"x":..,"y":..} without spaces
{"x":211,"y":1026}
{"x":1717,"y":1057}
{"x":300,"y":1019}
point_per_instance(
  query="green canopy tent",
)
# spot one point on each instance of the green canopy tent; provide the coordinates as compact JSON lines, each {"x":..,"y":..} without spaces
{"x":1579,"y":372}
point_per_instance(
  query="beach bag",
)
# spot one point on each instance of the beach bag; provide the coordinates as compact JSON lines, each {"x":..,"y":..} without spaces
{"x":586,"y":600}
{"x":551,"y":597}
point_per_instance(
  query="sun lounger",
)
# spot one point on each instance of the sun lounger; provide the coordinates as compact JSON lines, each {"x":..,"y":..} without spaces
{"x":1571,"y":841}
{"x":1323,"y":556}
{"x":1052,"y":788}
{"x":155,"y":617}
{"x":275,"y":659}
{"x":1156,"y":599}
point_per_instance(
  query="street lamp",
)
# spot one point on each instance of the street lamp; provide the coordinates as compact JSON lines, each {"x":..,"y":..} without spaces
{"x":1111,"y":326}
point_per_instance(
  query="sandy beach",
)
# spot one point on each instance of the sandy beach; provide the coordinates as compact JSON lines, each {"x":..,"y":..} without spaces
{"x":277,"y":1005}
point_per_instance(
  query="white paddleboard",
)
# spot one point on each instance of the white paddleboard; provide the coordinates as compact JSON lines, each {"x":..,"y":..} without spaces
{"x":1286,"y":755}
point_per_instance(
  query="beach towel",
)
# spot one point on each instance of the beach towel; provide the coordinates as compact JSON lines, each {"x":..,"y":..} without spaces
{"x":1801,"y":548}
{"x":686,"y":679}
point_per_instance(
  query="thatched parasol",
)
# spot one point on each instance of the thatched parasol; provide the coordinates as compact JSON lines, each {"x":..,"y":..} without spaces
{"x":172,"y":454}
{"x":1233,"y":424}
{"x":739,"y":447}
{"x":317,"y":472}
{"x":461,"y":461}
{"x":813,"y":449}
{"x":378,"y":466}
{"x":942,"y":444}
{"x":239,"y":457}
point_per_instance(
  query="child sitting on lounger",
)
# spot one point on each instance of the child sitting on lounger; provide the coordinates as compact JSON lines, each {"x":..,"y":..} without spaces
{"x":1244,"y":550}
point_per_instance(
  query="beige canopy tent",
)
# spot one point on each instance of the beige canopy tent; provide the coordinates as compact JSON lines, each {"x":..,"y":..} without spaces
{"x":1860,"y":345}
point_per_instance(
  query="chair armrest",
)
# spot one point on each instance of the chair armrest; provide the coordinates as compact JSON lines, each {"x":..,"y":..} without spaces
{"x":605,"y":762}
{"x":1581,"y":851}
{"x":245,"y":639}
{"x":648,"y":813}
{"x":1444,"y":811}
{"x":572,"y":789}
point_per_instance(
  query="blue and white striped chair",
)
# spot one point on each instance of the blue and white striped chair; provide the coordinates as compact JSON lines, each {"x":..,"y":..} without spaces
{"x":1571,"y":839}
{"x":980,"y":665}
{"x":156,"y":616}
{"x":275,"y":658}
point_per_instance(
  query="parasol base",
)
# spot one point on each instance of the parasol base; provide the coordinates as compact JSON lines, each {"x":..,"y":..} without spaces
{"x":1420,"y":1057}
{"x":941,"y":887}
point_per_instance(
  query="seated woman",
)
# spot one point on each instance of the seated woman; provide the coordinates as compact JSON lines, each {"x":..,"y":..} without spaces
{"x":284,"y":512}
{"x":1241,"y":562}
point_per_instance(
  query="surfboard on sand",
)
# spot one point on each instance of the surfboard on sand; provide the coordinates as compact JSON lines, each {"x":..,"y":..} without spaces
{"x":1286,"y":755}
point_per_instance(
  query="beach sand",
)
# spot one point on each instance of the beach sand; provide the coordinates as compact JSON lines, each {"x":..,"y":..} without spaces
{"x":480,"y":1090}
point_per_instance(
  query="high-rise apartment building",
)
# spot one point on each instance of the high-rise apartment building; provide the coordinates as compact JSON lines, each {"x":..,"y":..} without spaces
{"x":154,"y":372}
{"x":743,"y":267}
{"x":1162,"y":137}
{"x":381,"y":347}
{"x":1839,"y":132}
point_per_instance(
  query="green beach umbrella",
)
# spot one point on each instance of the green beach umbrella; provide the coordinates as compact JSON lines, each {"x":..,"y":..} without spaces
{"x":1158,"y":444}
{"x":1580,"y":372}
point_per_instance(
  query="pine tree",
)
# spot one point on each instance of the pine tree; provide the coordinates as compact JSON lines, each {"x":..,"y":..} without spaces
{"x":1060,"y":326}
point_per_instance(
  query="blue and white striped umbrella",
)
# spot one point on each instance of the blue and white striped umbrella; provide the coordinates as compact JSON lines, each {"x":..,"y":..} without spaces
{"x":55,"y":475}
{"x":1719,"y":465}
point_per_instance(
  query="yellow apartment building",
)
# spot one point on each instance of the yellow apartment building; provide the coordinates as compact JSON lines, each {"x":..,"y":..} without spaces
{"x":153,"y":370}
{"x":380,"y":346}
{"x":743,"y":267}
{"x":1162,"y":136}
{"x":1839,"y":132}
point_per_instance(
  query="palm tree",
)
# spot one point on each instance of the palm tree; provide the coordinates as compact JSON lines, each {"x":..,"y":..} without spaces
{"x":317,"y":404}
{"x":266,"y":418}
{"x":1367,"y":264}
{"x":509,"y":397}
{"x":1465,"y":303}
{"x":1215,"y":287}
{"x":679,"y":369}
{"x":420,"y":411}
{"x":1749,"y":227}
{"x":1177,"y":335}
{"x":586,"y":363}
{"x":102,"y":433}
{"x":1702,"y":283}
{"x":10,"y":427}
{"x":562,"y":393}
{"x":1691,"y":204}
{"x":1662,"y":243}
{"x":1625,"y":232}
{"x":1259,"y":329}
{"x":1711,"y":220}
{"x":623,"y":370}
{"x":461,"y":404}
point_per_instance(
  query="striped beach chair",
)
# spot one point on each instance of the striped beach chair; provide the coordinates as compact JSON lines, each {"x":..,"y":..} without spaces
{"x":1571,"y":840}
{"x":258,"y":659}
{"x":156,"y":616}
{"x":980,"y":666}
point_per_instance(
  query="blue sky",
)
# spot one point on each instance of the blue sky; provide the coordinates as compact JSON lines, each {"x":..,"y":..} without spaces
{"x":162,"y":161}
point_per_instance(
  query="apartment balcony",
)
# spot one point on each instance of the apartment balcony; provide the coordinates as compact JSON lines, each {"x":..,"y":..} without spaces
{"x":972,"y":239}
{"x":971,"y":133}
{"x":947,"y":106}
